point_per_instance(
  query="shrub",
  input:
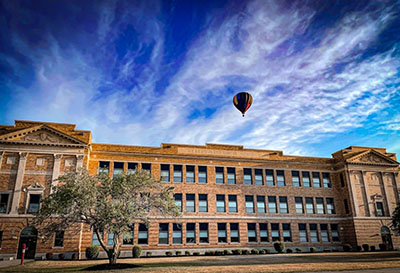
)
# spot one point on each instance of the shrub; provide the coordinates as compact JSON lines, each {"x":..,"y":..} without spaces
{"x":92,"y":252}
{"x":219,"y":253}
{"x":168,"y":253}
{"x":347,"y":247}
{"x":313,"y":249}
{"x":236,"y":251}
{"x":61,"y":256}
{"x":373,"y":248}
{"x":262,"y":251}
{"x":254,"y":251}
{"x":327,"y":250}
{"x":227,"y":252}
{"x":136,"y":251}
{"x":49,"y":256}
{"x":383,"y":247}
{"x":289,"y":250}
{"x":196,"y":253}
{"x":245,"y":252}
{"x":149,"y":253}
{"x":74,"y":256}
{"x":207,"y":253}
{"x":279,"y":246}
{"x":365,"y":247}
{"x":359,"y":248}
{"x":187,"y":253}
{"x":267,"y":251}
{"x":298,"y":250}
{"x":178,"y":253}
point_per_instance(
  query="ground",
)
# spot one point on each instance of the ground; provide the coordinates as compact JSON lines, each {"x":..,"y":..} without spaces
{"x":316,"y":262}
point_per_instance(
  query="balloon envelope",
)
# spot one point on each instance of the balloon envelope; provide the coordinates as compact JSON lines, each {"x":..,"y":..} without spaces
{"x":242,"y":101}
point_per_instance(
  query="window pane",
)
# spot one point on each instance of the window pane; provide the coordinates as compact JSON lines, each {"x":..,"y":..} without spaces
{"x":219,"y":175}
{"x":190,"y":174}
{"x":178,"y":173}
{"x":247,"y":178}
{"x":231,"y":176}
{"x":306,"y":179}
{"x":316,"y":180}
{"x":202,"y":174}
{"x":269,"y":177}
{"x":295,"y":179}
{"x":258,"y":177}
{"x":280,"y":178}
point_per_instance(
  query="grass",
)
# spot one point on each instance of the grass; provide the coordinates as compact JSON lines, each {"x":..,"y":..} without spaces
{"x":250,"y":263}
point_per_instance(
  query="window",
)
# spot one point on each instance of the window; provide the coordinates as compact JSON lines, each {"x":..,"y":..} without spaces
{"x":326,"y":180}
{"x":10,"y":160}
{"x":261,"y":204}
{"x":219,"y":175}
{"x":222,"y":238}
{"x":234,"y":232}
{"x":303,"y":233}
{"x":295,"y":179}
{"x":34,"y":203}
{"x":379,"y":208}
{"x":177,"y":233}
{"x":1,"y":238}
{"x":220,"y":203}
{"x":232,"y":203}
{"x":190,"y":233}
{"x":95,"y":239}
{"x":203,"y":206}
{"x":320,"y":205}
{"x":330,"y":206}
{"x":335,"y":233}
{"x":104,"y":167}
{"x":190,"y":207}
{"x":316,"y":180}
{"x":341,"y":180}
{"x":59,"y":238}
{"x":189,"y":174}
{"x":4,"y":198}
{"x":287,"y":235}
{"x":306,"y":179}
{"x":40,"y":161}
{"x":280,"y":178}
{"x":299,"y":205}
{"x":313,"y":233}
{"x":247,"y":178}
{"x":147,"y":167}
{"x":269,"y":177}
{"x":231,"y":176}
{"x":249,"y":204}
{"x":324,"y":233}
{"x":283,"y":206}
{"x":178,"y":173}
{"x":110,"y":239}
{"x":128,"y":238}
{"x":251,"y":232}
{"x":143,"y":235}
{"x":346,"y":206}
{"x":164,"y":177}
{"x":118,"y":168}
{"x":202,"y":174}
{"x":272,"y":204}
{"x":203,"y":233}
{"x":258,"y":177}
{"x":263,"y":232}
{"x":309,"y":205}
{"x":275,"y":232}
{"x":132,"y":166}
{"x":178,"y":200}
{"x":163,"y":233}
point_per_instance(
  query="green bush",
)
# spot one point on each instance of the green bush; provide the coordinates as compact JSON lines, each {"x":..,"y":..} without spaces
{"x":373,"y":248}
{"x":327,"y":250}
{"x":75,"y":256}
{"x":61,"y":256}
{"x":313,"y":249}
{"x":149,"y":253}
{"x":236,"y":251}
{"x":347,"y":247}
{"x":219,"y":253}
{"x":196,"y":253}
{"x":365,"y":247}
{"x":208,"y":253}
{"x":49,"y":256}
{"x":279,"y":246}
{"x":289,"y":250}
{"x":227,"y":252}
{"x":187,"y":253}
{"x":178,"y":253}
{"x":136,"y":251}
{"x":298,"y":250}
{"x":168,"y":253}
{"x":255,"y":251}
{"x":267,"y":251}
{"x":383,"y":247}
{"x":262,"y":251}
{"x":92,"y":252}
{"x":359,"y":248}
{"x":245,"y":252}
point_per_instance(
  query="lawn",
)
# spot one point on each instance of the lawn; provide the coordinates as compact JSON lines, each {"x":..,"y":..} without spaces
{"x":249,"y":264}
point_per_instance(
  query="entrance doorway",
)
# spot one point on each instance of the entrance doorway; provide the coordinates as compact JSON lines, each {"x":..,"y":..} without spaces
{"x":29,"y":237}
{"x":387,"y":237}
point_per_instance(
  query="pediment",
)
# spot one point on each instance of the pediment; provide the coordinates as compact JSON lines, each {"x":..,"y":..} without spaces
{"x":372,"y":157}
{"x":35,"y":187}
{"x":41,"y":134}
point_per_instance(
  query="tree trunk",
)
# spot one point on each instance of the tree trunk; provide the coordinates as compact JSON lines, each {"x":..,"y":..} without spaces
{"x":113,"y":252}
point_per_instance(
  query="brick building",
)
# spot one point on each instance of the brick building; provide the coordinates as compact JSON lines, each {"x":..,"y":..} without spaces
{"x":231,"y":197}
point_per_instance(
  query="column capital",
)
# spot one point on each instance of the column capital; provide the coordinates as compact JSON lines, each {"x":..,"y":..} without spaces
{"x":57,"y":156}
{"x":1,"y":153}
{"x":80,"y":157}
{"x":23,"y":155}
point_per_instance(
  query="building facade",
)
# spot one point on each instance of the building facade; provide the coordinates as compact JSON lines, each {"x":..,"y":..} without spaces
{"x":230,"y":197}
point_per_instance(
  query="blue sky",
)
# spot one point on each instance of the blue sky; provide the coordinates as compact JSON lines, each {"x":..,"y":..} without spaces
{"x":324,"y":75}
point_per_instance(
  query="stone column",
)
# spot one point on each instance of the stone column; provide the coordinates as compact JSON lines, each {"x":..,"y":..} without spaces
{"x":354,"y":203}
{"x":367,"y":195}
{"x":396,"y":186}
{"x":387,"y":204}
{"x":18,"y":183}
{"x":1,"y":158}
{"x":56,"y":171}
{"x":79,"y":161}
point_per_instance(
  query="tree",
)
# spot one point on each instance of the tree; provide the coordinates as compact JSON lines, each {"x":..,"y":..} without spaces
{"x":106,"y":204}
{"x":396,"y":219}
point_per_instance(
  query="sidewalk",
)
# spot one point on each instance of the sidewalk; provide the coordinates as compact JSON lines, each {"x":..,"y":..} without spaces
{"x":12,"y":262}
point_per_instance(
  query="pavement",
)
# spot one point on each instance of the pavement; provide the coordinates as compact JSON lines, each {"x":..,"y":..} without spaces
{"x":12,"y":262}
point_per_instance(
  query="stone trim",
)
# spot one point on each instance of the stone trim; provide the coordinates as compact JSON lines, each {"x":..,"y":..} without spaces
{"x":18,"y":183}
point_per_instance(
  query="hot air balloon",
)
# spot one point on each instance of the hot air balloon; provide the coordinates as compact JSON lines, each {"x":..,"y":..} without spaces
{"x":242,"y":101}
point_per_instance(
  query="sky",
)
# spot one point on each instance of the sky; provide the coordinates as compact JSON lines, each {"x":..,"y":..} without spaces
{"x":324,"y":75}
